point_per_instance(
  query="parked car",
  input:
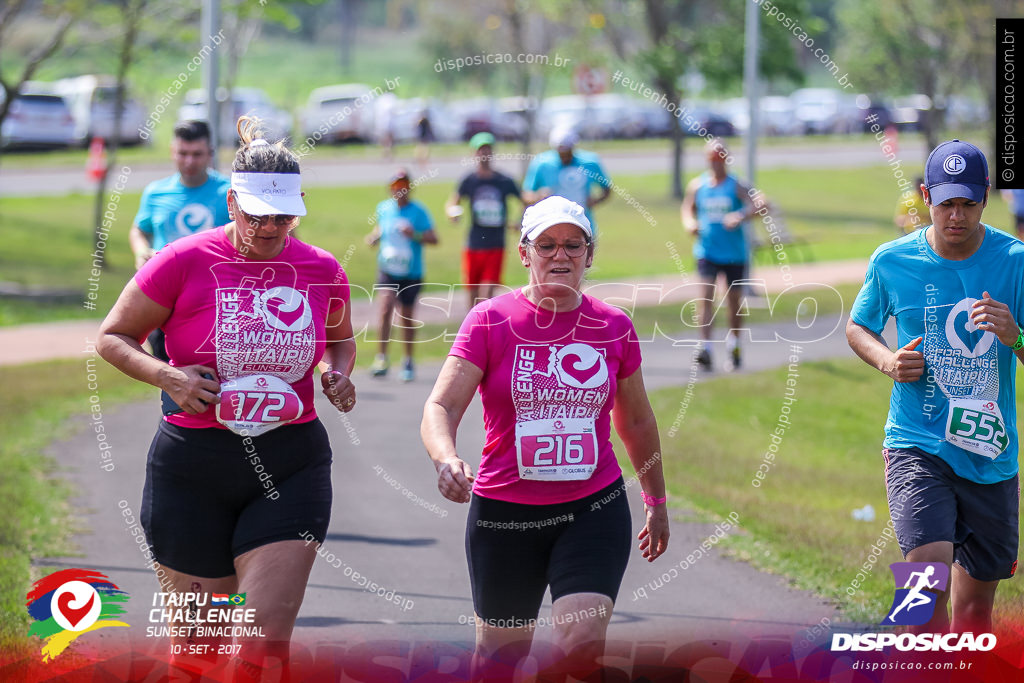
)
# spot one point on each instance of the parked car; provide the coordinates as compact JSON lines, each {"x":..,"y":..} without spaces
{"x":92,"y":100}
{"x":778,"y":116}
{"x":406,"y":114}
{"x":244,"y":101}
{"x":872,"y":112}
{"x":823,"y":111}
{"x":698,"y":118}
{"x":340,"y":113}
{"x":563,"y":111}
{"x":909,"y":111}
{"x":37,"y":120}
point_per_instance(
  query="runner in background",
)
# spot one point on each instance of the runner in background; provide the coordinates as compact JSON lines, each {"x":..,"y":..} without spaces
{"x":911,"y":211}
{"x":193,"y":199}
{"x":403,"y":227}
{"x":239,"y":471}
{"x":555,"y":369}
{"x":951,"y":444}
{"x":488,"y":191}
{"x":567,"y":172}
{"x":715,"y":210}
{"x":1016,"y":200}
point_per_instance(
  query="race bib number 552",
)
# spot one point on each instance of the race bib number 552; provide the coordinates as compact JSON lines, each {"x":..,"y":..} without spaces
{"x":255,"y":404}
{"x":977,"y":426}
{"x":556,"y":450}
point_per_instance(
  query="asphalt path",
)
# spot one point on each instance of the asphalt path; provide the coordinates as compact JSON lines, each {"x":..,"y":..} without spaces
{"x":390,"y":524}
{"x":327,"y":172}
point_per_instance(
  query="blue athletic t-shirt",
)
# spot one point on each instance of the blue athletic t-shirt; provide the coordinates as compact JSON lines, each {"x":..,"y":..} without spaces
{"x":715,"y":243}
{"x":400,"y":256}
{"x":169,"y":210}
{"x":963,"y":408}
{"x":573,"y":182}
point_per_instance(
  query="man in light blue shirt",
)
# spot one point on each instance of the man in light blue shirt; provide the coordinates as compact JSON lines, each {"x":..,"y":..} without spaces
{"x":403,"y":227}
{"x":956,"y":292}
{"x":568,"y":173}
{"x":193,"y":199}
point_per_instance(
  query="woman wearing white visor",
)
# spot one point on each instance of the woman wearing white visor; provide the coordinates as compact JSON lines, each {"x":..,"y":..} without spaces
{"x":239,"y":470}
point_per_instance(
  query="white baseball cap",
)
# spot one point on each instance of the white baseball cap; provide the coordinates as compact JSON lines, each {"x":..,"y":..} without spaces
{"x":563,"y":136}
{"x":266,"y":194}
{"x":553,"y":211}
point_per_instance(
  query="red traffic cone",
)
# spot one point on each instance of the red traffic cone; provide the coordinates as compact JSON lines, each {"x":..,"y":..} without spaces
{"x":96,"y":166}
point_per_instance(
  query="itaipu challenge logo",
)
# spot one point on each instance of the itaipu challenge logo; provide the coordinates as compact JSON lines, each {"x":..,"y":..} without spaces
{"x":71,"y":603}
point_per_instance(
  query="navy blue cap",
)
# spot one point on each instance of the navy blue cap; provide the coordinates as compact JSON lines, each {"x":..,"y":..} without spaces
{"x":956,"y":169}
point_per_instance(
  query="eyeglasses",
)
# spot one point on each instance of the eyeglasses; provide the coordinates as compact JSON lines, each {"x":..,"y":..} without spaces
{"x":547,"y":249}
{"x":281,"y":221}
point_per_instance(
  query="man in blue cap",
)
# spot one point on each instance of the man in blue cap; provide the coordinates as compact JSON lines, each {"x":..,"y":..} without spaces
{"x":955,"y":291}
{"x":488,"y":191}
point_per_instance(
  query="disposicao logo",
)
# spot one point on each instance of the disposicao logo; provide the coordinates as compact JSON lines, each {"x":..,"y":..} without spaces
{"x":70,"y":603}
{"x":913,"y":604}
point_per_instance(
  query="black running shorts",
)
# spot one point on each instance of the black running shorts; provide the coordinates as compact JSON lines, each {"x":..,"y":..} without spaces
{"x":516,"y":551}
{"x":211,"y":495}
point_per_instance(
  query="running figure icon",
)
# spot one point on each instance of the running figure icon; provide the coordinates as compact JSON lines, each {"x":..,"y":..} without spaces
{"x":915,"y":598}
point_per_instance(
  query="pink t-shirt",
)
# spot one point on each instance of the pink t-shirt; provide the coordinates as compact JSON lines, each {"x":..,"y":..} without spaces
{"x":243,"y":316}
{"x":548,"y":389}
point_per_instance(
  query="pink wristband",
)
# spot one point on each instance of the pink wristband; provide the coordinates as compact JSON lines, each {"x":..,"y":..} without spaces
{"x":651,"y":500}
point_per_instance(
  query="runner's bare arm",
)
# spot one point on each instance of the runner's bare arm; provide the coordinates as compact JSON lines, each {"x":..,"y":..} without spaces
{"x":340,"y":355}
{"x":904,"y":365}
{"x":442,"y":414}
{"x":131,"y":319}
{"x":688,"y":210}
{"x":736,"y":218}
{"x":454,"y":200}
{"x":142,"y":245}
{"x":637,"y":427}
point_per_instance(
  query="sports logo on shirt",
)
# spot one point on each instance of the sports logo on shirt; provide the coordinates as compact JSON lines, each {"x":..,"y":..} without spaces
{"x":963,"y":334}
{"x":284,"y":308}
{"x":581,"y":366}
{"x":192,"y":218}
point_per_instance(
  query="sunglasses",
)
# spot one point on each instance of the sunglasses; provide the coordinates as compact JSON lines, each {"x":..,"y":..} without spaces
{"x":281,"y":221}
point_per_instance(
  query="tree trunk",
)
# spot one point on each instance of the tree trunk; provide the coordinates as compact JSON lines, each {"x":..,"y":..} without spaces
{"x":132,"y":14}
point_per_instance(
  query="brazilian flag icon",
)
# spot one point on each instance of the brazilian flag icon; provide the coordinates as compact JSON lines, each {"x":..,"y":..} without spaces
{"x":237,"y":599}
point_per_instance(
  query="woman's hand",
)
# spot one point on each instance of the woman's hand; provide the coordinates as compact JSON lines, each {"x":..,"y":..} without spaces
{"x":188,"y":387}
{"x":455,"y":480}
{"x":338,"y":388}
{"x":654,"y":536}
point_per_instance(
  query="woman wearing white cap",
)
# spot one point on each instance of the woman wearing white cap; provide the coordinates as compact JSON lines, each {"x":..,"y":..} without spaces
{"x":239,"y":470}
{"x":555,"y":368}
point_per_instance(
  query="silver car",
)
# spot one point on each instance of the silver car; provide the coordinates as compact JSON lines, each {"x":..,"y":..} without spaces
{"x":37,"y":120}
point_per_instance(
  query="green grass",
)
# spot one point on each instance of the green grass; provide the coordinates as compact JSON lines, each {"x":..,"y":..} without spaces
{"x":37,"y":522}
{"x":798,"y":522}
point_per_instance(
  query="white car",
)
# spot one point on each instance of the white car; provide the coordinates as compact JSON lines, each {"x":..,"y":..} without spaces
{"x":244,"y":101}
{"x":37,"y":120}
{"x":339,"y":113}
{"x":92,"y":102}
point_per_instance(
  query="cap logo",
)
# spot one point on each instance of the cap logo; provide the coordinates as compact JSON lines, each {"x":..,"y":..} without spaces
{"x":954,"y":164}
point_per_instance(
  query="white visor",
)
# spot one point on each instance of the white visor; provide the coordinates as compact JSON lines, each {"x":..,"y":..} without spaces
{"x":269,"y":194}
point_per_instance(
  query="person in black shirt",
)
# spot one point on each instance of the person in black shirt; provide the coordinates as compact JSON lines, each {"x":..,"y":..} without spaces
{"x":487,"y":191}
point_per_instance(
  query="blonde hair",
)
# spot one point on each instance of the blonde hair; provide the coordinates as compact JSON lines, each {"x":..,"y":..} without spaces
{"x":256,"y":155}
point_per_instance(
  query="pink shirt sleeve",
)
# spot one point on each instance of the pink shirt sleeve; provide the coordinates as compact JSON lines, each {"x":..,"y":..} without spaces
{"x":161,"y":277}
{"x":341,"y":294}
{"x":471,"y":341}
{"x":631,"y":357}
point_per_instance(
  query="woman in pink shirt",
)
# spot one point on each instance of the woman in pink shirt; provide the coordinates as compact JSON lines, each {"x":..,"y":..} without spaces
{"x":238,"y":474}
{"x":554,"y":368}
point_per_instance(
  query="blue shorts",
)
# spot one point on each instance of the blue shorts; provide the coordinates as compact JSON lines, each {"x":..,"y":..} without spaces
{"x":928,"y":502}
{"x":709,"y":270}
